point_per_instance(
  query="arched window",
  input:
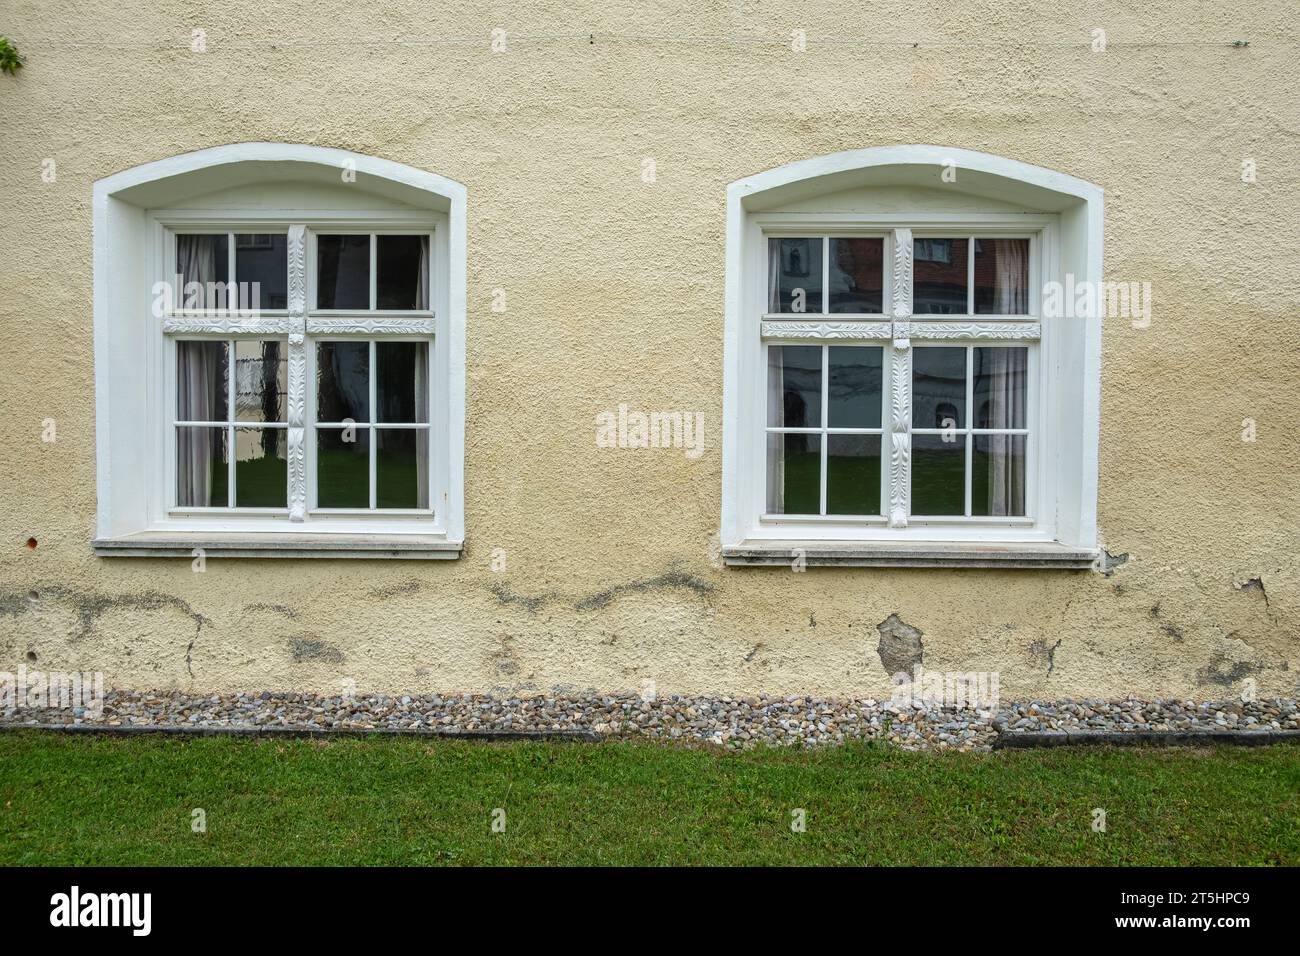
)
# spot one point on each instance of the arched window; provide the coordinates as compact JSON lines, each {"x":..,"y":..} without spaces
{"x":896,"y":391}
{"x":279,"y":336}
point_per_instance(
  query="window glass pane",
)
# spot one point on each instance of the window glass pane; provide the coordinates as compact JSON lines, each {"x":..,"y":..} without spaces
{"x":401,"y":382}
{"x":203,"y":259}
{"x":938,"y":475}
{"x":343,"y":272}
{"x":201,"y":467}
{"x":263,"y":258}
{"x":1002,"y":276}
{"x":853,"y":474}
{"x":202,"y":373}
{"x":401,"y":468}
{"x":857,"y":275}
{"x":261,"y":380}
{"x":261,"y":468}
{"x":1000,"y":383}
{"x":342,"y":381}
{"x":402,"y":272}
{"x":856,"y":382}
{"x":794,"y":474}
{"x":939,"y":276}
{"x":938,"y":387}
{"x":998,"y":475}
{"x":343,"y":468}
{"x":794,"y":386}
{"x":794,"y":278}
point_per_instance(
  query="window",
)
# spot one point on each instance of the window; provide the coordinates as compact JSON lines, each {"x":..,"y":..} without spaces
{"x":280,"y":382}
{"x":364,"y":445}
{"x":894,"y":393}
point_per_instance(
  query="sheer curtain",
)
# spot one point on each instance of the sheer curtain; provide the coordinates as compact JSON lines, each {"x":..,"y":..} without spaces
{"x":1006,"y":369}
{"x":773,"y":275}
{"x":200,"y":374}
{"x":422,"y":286}
{"x":776,"y":416}
{"x":422,"y":434}
{"x":1012,"y":257}
{"x":196,"y":261}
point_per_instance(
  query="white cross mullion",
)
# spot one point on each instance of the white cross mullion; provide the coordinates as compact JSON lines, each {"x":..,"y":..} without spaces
{"x":900,"y":452}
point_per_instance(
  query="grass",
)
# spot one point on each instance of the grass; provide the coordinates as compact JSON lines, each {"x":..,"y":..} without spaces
{"x":112,"y":801}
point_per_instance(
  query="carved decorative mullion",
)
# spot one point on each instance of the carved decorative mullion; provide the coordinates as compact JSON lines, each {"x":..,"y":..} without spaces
{"x":222,"y":325}
{"x":900,"y":437}
{"x":781,"y":329}
{"x":381,"y":326}
{"x":297,"y":404}
{"x":1022,"y":331}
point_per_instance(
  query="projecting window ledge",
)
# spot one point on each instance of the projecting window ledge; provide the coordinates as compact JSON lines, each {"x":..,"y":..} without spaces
{"x":228,"y":545}
{"x":894,"y":554}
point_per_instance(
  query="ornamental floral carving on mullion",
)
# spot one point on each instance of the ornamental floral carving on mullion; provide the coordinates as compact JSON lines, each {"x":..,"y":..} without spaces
{"x":297,"y":398}
{"x":900,"y":404}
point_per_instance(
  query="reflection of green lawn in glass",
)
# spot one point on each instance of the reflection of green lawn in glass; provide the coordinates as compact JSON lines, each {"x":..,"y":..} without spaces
{"x":343,"y":479}
{"x":852,"y":485}
{"x":982,"y":483}
{"x":938,"y":481}
{"x":803,"y":475}
{"x":262,"y":482}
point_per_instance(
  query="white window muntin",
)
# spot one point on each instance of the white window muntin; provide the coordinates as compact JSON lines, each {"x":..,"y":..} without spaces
{"x":1036,"y":524}
{"x":163,"y":360}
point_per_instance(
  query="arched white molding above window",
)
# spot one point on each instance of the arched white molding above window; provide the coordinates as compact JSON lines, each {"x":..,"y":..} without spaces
{"x":860,"y":277}
{"x":303,"y":198}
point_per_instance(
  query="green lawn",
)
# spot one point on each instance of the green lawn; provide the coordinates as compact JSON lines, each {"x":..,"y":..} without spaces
{"x":78,"y":800}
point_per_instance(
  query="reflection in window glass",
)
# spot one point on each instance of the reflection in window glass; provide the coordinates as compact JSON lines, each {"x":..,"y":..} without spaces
{"x":343,"y":467}
{"x":939,"y":276}
{"x":856,"y":380}
{"x":203,"y":259}
{"x":938,"y":475}
{"x":1000,"y":383}
{"x":202,"y":377}
{"x":261,"y":380}
{"x":998,"y":475}
{"x":342,"y":272}
{"x":261,"y":468}
{"x":857,"y":277}
{"x":939,"y":387}
{"x":342,"y":381}
{"x":794,"y":386}
{"x":262,"y":265}
{"x":794,"y":275}
{"x":402,"y":272}
{"x":401,"y":468}
{"x":794,"y":464}
{"x":202,"y":467}
{"x":853,"y":474}
{"x":401,"y":382}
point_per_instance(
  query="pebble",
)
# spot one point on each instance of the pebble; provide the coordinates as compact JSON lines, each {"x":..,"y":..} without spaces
{"x":725,"y":721}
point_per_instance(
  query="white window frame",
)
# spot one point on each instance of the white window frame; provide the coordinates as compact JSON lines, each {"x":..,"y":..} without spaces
{"x":1059,"y":527}
{"x":136,"y":357}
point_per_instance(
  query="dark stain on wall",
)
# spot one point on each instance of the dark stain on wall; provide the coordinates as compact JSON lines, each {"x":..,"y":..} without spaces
{"x":90,"y":606}
{"x":598,"y":600}
{"x":309,"y":649}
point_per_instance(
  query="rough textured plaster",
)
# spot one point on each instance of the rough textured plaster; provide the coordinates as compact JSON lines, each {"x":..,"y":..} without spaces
{"x":614,"y":292}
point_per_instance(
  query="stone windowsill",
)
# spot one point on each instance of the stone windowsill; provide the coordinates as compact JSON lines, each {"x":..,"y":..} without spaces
{"x":910,"y":554}
{"x":227,"y":545}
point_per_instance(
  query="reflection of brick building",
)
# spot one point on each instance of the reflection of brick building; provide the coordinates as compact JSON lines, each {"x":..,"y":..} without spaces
{"x":940,"y":269}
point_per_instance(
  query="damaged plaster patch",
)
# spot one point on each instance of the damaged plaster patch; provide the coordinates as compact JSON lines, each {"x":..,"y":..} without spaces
{"x":1254,"y":584}
{"x":308,"y":649}
{"x":396,"y":590}
{"x":900,"y":647}
{"x":1108,"y":562}
{"x":533,"y":603}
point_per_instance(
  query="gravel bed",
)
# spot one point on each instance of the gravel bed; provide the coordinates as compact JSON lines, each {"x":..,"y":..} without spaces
{"x":727,"y":721}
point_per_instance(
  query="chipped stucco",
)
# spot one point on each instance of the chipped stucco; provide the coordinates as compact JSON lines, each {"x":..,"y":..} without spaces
{"x":614,"y":294}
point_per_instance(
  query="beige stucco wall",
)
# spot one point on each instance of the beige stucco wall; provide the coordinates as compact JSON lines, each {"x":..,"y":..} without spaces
{"x":615,"y":294}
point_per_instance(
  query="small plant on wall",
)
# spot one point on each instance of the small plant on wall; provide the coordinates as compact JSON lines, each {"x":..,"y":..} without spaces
{"x":11,"y":61}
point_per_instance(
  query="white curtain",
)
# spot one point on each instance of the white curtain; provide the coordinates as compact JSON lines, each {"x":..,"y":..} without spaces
{"x":774,"y":275}
{"x":199,"y":373}
{"x":195,"y":259}
{"x":422,"y":288}
{"x":1006,"y":370}
{"x":775,"y":416}
{"x":422,"y":434}
{"x":1012,"y":263}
